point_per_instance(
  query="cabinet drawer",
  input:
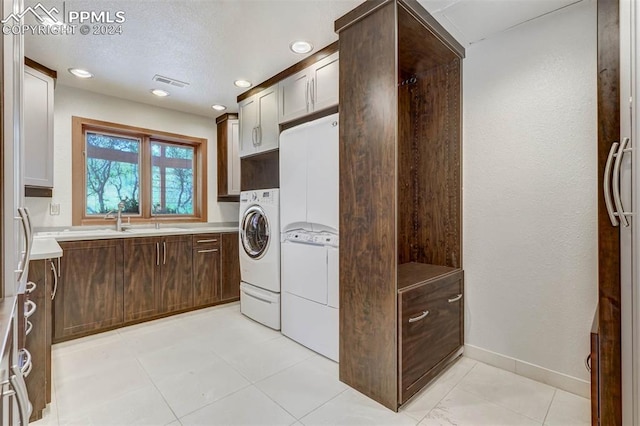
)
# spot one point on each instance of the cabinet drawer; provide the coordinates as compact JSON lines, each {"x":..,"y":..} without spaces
{"x":431,"y":328}
{"x":206,"y":241}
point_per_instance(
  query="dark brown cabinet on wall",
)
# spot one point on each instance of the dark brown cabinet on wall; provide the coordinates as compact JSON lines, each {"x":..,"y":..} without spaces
{"x":157,"y":276}
{"x":90,"y":288}
{"x":401,"y":285}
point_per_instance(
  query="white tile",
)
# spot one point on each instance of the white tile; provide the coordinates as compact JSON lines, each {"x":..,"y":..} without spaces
{"x":141,"y":407}
{"x":262,"y":360}
{"x":351,"y":408}
{"x":152,"y":337}
{"x":200,"y":386}
{"x":304,"y":387}
{"x":180,"y":358}
{"x":246,"y":407}
{"x":460,"y":408}
{"x":84,"y":343}
{"x":569,"y":410}
{"x":517,"y":393}
{"x":87,"y":392}
{"x":428,"y":398}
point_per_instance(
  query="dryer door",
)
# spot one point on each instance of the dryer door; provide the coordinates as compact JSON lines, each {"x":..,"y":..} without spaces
{"x":255,"y":232}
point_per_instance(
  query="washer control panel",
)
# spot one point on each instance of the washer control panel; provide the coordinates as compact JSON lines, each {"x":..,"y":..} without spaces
{"x":315,"y":238}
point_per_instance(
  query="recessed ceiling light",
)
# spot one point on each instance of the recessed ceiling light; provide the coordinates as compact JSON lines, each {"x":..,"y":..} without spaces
{"x":160,"y":93}
{"x":80,"y":73}
{"x":218,"y":107}
{"x":301,"y":46}
{"x":242,"y":83}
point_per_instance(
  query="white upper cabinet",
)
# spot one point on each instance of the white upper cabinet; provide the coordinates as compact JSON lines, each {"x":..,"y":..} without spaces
{"x":233,"y":166}
{"x":38,"y":128}
{"x":312,"y":89}
{"x":258,"y":117}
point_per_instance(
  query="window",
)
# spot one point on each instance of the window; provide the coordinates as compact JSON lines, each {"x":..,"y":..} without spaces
{"x":155,"y":175}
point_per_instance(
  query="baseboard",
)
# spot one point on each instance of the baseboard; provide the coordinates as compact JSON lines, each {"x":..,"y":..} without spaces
{"x":535,"y":372}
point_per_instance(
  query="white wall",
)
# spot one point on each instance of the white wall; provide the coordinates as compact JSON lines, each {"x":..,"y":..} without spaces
{"x":70,"y":101}
{"x":530,"y":190}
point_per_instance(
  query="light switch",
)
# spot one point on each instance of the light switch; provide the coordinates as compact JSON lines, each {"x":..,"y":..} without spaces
{"x":54,"y":209}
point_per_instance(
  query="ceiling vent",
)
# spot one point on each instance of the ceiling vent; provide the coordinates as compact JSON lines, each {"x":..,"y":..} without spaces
{"x":170,"y":81}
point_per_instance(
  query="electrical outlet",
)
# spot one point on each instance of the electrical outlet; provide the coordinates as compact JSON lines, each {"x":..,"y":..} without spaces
{"x":54,"y":209}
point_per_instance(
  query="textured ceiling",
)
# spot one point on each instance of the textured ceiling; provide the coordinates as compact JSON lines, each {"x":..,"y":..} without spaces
{"x":211,"y":43}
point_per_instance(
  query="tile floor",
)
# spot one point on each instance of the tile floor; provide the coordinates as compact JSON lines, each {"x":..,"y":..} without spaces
{"x":216,"y":367}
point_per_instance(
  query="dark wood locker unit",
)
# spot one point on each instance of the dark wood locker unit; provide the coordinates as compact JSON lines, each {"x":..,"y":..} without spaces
{"x":38,"y":334}
{"x":90,"y":289}
{"x":400,"y":199}
{"x":206,"y":269}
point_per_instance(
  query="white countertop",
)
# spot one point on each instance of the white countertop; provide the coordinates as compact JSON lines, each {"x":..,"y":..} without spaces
{"x":101,"y":233}
{"x":45,"y":248}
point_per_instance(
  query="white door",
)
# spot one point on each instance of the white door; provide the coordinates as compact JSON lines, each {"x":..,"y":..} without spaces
{"x":322,"y":172}
{"x":293,"y":178}
{"x":233,"y":163}
{"x":294,"y":96}
{"x":248,"y":115}
{"x":38,"y":128}
{"x":268,"y":128}
{"x":324,"y":83}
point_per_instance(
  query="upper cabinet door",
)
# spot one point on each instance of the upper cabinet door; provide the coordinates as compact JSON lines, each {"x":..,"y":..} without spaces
{"x":38,"y":128}
{"x":233,"y":160}
{"x":268,"y":129}
{"x":324,"y":83}
{"x":294,"y":96}
{"x":248,"y":116}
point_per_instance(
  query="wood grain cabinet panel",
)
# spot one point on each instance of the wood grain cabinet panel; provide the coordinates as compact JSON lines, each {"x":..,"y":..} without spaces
{"x":176,"y":284}
{"x":230,"y":268}
{"x":206,"y":269}
{"x":141,"y":270}
{"x":90,"y":288}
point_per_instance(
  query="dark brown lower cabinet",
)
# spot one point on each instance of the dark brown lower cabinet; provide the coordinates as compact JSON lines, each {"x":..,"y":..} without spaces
{"x":38,"y":339}
{"x":206,"y":269}
{"x":230,"y":283}
{"x":430,"y":315}
{"x":90,"y":288}
{"x":176,"y":277}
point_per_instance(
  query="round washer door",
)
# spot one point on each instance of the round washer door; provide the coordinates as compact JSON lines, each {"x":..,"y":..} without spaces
{"x":255,"y":232}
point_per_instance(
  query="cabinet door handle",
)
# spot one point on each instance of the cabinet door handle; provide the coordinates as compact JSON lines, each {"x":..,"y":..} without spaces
{"x":207,"y":251}
{"x":20,"y":391}
{"x":455,"y":299}
{"x":616,"y":183}
{"x":254,"y":136}
{"x":607,"y":184}
{"x":55,"y":281}
{"x":157,"y":254}
{"x":587,"y":362}
{"x":419,"y":317}
{"x":214,"y":240}
{"x":27,"y":365}
{"x":31,"y":286}
{"x":313,"y":91}
{"x":259,"y":133}
{"x":307,"y":96}
{"x":28,"y":328}
{"x":29,"y":308}
{"x":164,"y":252}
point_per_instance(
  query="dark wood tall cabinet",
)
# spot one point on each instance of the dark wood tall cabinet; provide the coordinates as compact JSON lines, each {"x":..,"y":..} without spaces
{"x":401,"y":282}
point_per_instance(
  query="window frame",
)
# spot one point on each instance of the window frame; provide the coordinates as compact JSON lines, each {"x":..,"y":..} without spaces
{"x":81,"y":125}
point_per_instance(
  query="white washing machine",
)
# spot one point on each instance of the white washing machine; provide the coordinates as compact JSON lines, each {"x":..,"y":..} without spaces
{"x":260,"y":256}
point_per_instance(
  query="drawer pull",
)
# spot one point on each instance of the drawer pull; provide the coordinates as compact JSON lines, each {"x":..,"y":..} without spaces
{"x":587,"y":362}
{"x":28,"y":328}
{"x":207,"y":251}
{"x":455,"y":299}
{"x":27,"y":365}
{"x":215,"y":240}
{"x":419,"y":317}
{"x":31,"y":286}
{"x":29,"y":308}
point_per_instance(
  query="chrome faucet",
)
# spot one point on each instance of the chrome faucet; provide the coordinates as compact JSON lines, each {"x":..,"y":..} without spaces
{"x":118,"y":217}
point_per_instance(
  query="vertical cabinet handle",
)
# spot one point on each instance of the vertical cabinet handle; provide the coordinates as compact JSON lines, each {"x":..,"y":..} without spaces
{"x":259,"y":133}
{"x":313,"y":91}
{"x":607,"y":184}
{"x":27,"y":238}
{"x":254,"y":136}
{"x":616,"y":183}
{"x":157,"y":254}
{"x":164,"y":252}
{"x":419,"y":317}
{"x":55,"y":279}
{"x":307,"y":95}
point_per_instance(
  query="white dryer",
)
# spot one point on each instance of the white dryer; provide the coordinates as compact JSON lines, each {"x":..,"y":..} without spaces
{"x":260,"y":256}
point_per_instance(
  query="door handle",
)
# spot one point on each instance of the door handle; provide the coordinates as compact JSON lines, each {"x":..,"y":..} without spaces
{"x":157,"y":254}
{"x":307,"y":96}
{"x":313,"y":91}
{"x":419,"y":317}
{"x":616,"y":183}
{"x":207,"y":251}
{"x":55,"y":280}
{"x":164,"y":252}
{"x":455,"y":299}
